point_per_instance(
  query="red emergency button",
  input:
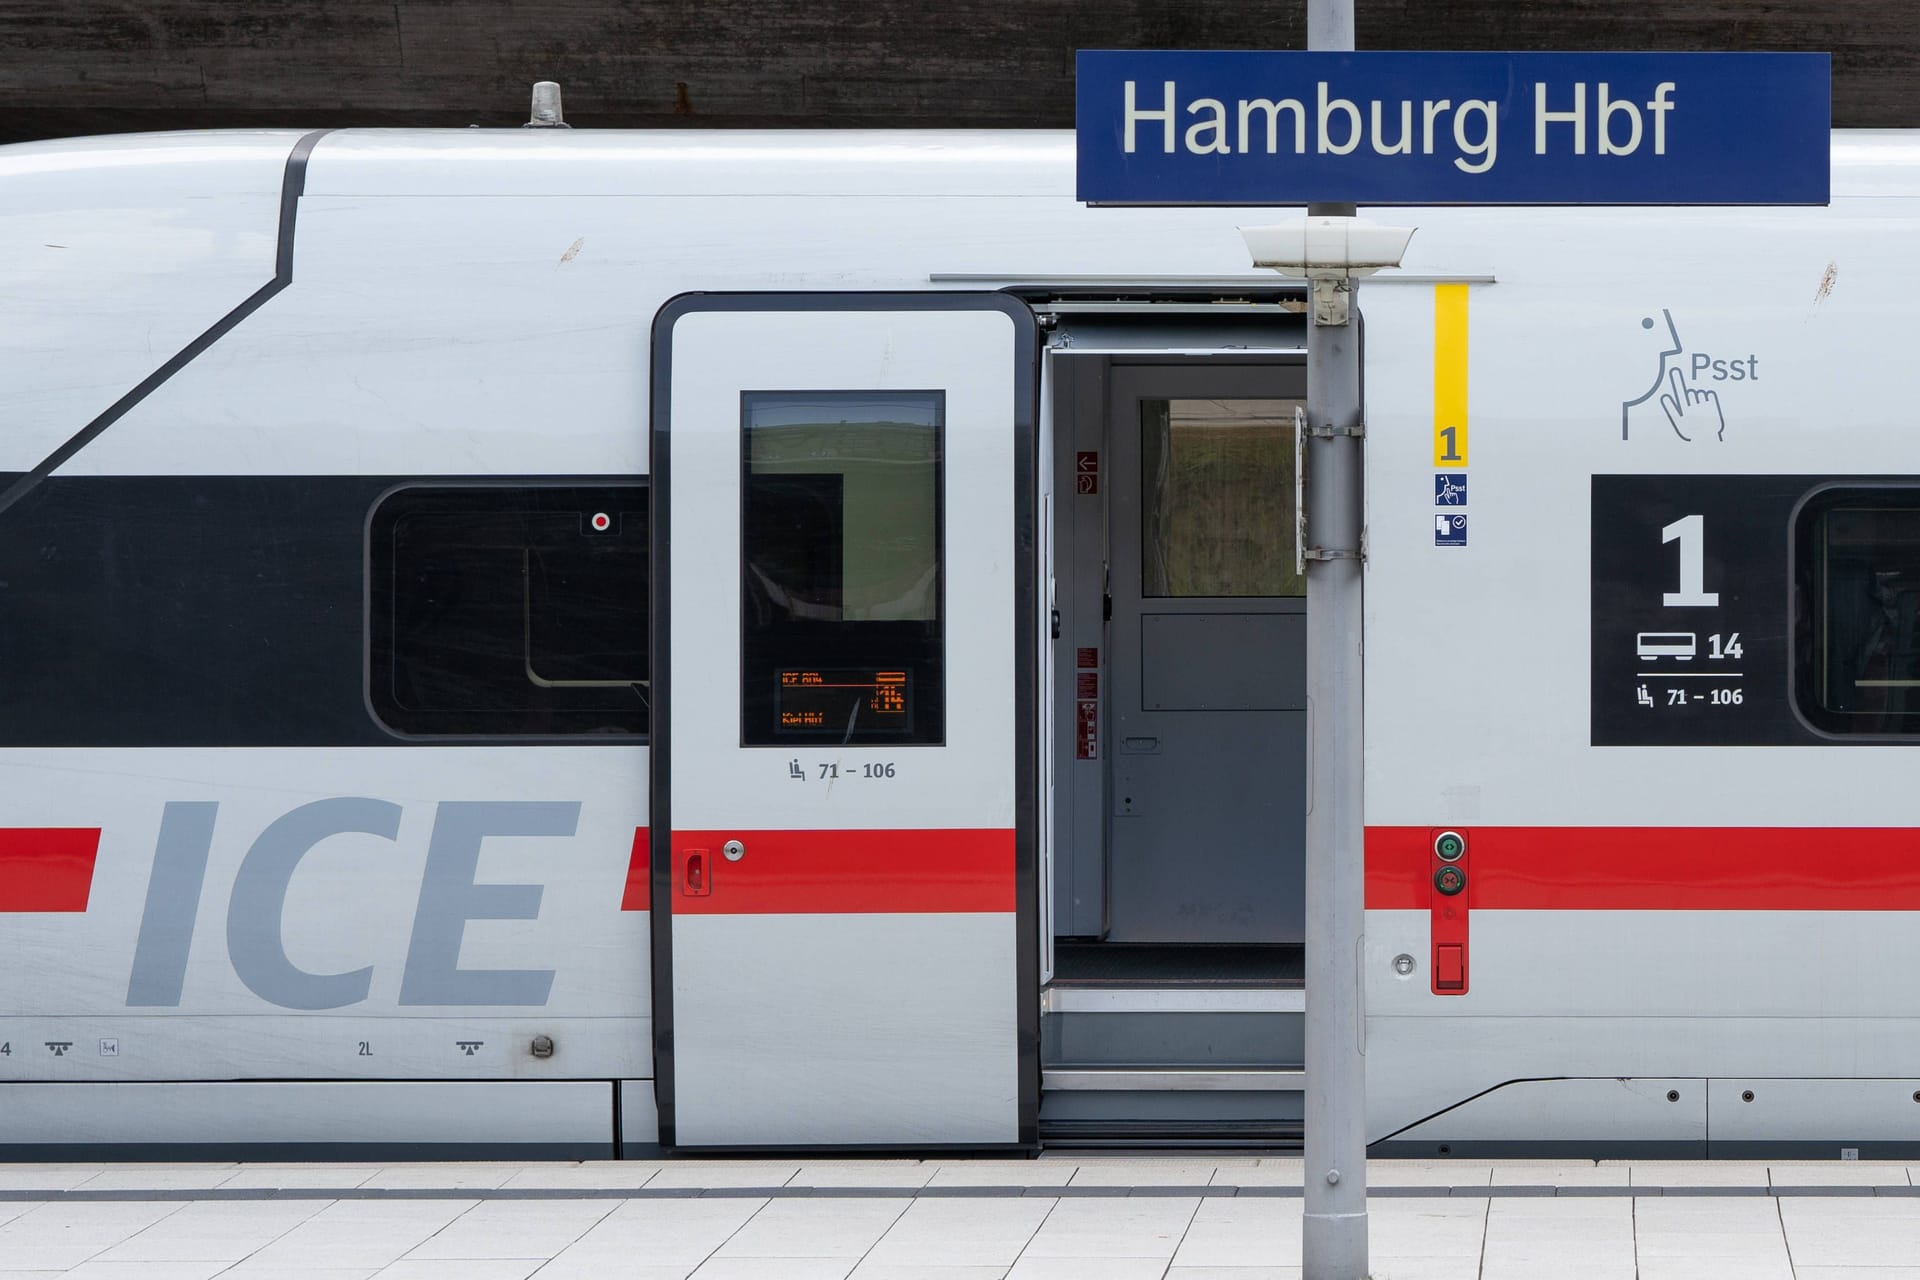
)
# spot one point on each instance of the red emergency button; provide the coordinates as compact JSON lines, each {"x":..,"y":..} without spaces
{"x":1449,"y":967}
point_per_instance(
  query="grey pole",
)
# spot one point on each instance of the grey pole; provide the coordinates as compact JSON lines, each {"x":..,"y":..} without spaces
{"x":1334,"y":1245}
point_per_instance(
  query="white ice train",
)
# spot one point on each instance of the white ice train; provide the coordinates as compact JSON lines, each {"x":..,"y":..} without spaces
{"x":584,"y":643}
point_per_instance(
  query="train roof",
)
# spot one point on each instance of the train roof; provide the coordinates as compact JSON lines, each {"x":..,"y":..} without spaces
{"x":684,"y":162}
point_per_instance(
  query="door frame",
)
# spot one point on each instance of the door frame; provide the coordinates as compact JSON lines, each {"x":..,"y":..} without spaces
{"x":1026,"y":744}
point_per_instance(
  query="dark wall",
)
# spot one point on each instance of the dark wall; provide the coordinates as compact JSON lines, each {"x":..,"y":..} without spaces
{"x":102,"y":66}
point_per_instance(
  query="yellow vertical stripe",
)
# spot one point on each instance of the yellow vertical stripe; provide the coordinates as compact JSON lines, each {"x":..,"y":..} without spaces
{"x":1449,"y":375}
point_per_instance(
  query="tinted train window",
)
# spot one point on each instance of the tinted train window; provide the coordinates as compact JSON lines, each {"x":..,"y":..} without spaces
{"x":841,"y":568}
{"x":510,"y":611}
{"x":1857,"y":611}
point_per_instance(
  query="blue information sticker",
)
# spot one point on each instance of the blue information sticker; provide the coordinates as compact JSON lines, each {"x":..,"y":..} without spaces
{"x":1450,"y":530}
{"x":1450,"y":489}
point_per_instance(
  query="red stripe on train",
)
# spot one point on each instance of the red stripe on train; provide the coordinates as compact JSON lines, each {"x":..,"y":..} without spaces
{"x":844,"y":872}
{"x":639,"y":894}
{"x":47,"y":868}
{"x":1657,"y":868}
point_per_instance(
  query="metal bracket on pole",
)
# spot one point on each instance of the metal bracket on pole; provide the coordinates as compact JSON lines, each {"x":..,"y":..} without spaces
{"x":1332,"y":299}
{"x":1358,"y":431}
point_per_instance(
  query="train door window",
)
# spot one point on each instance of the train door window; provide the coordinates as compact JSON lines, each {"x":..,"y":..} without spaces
{"x":1857,"y":617}
{"x":1217,"y":498}
{"x":842,"y":635}
{"x":503,"y":610}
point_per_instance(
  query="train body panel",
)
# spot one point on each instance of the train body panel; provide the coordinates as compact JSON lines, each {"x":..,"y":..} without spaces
{"x":1614,"y":462}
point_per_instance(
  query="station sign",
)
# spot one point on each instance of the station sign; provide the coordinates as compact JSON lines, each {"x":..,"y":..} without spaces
{"x":1195,"y":127}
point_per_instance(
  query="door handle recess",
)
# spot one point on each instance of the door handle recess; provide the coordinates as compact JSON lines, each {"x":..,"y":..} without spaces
{"x":695,"y":881}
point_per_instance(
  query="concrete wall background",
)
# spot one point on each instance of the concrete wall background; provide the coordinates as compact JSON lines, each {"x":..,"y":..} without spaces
{"x":100,"y":66}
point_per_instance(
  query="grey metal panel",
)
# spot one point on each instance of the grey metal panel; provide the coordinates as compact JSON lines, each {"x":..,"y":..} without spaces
{"x":1158,"y":1000}
{"x":1838,"y":1113}
{"x":940,"y":1068}
{"x":1080,"y":836}
{"x":639,"y":1113}
{"x":1186,"y":1039}
{"x":1171,"y":1080}
{"x":1206,"y":807}
{"x":1199,"y":661}
{"x":1640,"y":1111}
{"x":545,"y":1113}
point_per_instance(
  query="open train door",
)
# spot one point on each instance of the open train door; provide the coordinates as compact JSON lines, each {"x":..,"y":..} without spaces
{"x":843,"y":808}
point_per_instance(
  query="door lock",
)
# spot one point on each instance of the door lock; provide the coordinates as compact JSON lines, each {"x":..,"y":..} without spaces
{"x":733,"y":851}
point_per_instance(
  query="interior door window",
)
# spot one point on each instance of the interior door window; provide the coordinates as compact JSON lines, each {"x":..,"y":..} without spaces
{"x":1217,"y":498}
{"x":842,"y":637}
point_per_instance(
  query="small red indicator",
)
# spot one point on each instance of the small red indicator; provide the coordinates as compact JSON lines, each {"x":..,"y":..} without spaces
{"x":601,"y":522}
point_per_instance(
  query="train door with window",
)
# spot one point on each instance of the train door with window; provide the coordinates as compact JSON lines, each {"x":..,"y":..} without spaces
{"x":844,"y":764}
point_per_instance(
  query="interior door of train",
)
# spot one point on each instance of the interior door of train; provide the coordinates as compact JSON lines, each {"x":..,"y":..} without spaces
{"x":844,"y":760}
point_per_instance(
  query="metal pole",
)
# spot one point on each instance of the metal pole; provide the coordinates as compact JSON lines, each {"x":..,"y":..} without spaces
{"x":1334,"y":1244}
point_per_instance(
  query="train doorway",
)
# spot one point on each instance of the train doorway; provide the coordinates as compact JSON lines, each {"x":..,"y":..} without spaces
{"x":1174,"y":999}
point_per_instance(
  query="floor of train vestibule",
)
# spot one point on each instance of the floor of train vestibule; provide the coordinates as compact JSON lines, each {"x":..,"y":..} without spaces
{"x":1055,"y":1218}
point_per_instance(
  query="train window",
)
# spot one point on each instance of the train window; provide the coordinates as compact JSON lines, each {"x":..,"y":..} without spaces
{"x":841,"y":568}
{"x":1857,"y":613}
{"x":1217,"y":498}
{"x":498,"y":610}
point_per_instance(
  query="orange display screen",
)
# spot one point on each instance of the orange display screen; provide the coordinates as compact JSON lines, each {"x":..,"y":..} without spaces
{"x":833,"y":702}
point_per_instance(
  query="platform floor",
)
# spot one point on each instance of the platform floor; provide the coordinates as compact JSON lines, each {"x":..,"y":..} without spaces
{"x":1056,"y":1218}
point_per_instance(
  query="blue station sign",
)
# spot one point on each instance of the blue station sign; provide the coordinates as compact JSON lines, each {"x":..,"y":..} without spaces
{"x":1286,"y":128}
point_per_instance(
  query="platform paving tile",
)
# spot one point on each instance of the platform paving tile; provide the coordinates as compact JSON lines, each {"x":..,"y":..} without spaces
{"x":1713,"y":1267}
{"x":447,"y":1176}
{"x":461,"y":1269}
{"x":871,"y":1270}
{"x":1429,"y":1173}
{"x":1149,"y":1173}
{"x":978,"y":1233}
{"x":1003,"y":1173}
{"x":146,"y":1177}
{"x":299,"y":1177}
{"x":774,"y":1269}
{"x":1278,"y":1172}
{"x":1571,"y":1238}
{"x":514,"y":1229}
{"x":1113,"y":1227}
{"x":359,"y":1233}
{"x":1854,"y":1231}
{"x":660,"y":1236}
{"x":214,"y":1230}
{"x":251,"y":1270}
{"x":1685,"y":1228}
{"x":95,"y":1269}
{"x":906,"y":1174}
{"x":1177,"y":1272}
{"x":57,"y":1236}
{"x":45,"y":1177}
{"x":1420,"y":1268}
{"x":1839,"y":1173}
{"x":1557,"y":1173}
{"x":597,"y":1175}
{"x":1422,"y":1227}
{"x":1696,"y":1173}
{"x":701,"y":1174}
{"x":1227,"y":1231}
{"x":806,"y":1228}
{"x":1102,"y":1268}
{"x":1817,"y":1272}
